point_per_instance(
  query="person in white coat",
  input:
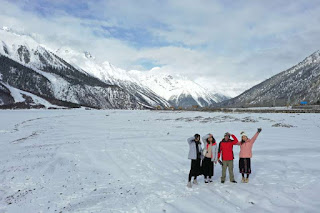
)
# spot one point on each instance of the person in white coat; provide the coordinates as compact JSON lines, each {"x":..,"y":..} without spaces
{"x":210,"y":153}
{"x":195,"y":155}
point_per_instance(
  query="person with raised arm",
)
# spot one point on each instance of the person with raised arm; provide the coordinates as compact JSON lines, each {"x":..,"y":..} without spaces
{"x":245,"y":154}
{"x":226,"y":151}
{"x":195,"y":155}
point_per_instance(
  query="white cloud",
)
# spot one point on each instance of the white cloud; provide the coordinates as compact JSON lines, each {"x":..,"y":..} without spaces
{"x":228,"y":45}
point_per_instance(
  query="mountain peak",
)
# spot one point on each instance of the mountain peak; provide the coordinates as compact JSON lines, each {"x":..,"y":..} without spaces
{"x":65,"y":50}
{"x":176,"y":89}
{"x":316,"y":54}
{"x":16,"y":32}
{"x":88,"y":55}
{"x":154,"y":87}
{"x":5,"y":28}
{"x":13,"y":39}
{"x":313,"y":58}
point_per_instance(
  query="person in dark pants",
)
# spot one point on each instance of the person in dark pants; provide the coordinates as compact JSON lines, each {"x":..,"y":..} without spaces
{"x":210,"y":156}
{"x":246,"y":154}
{"x":226,"y":150}
{"x":195,"y":154}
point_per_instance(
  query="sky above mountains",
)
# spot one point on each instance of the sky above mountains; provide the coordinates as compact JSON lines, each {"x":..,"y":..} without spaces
{"x":226,"y":46}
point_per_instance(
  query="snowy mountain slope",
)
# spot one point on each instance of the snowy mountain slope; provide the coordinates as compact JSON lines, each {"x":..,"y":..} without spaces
{"x":67,"y":66}
{"x":178,"y":90}
{"x":151,"y":86}
{"x":110,"y":74}
{"x":299,"y":83}
{"x":22,"y":96}
{"x":57,"y":90}
{"x":5,"y":95}
{"x":28,"y":66}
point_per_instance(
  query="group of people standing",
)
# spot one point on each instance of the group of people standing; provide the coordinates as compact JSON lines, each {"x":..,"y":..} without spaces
{"x":204,"y":158}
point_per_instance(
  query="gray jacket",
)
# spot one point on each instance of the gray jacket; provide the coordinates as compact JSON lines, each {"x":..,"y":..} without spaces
{"x":193,"y":150}
{"x":214,"y":148}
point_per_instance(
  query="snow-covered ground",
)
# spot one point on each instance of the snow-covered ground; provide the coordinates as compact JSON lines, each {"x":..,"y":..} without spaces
{"x":136,"y":161}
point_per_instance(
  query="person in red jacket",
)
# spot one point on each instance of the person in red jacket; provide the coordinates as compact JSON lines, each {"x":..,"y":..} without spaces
{"x":226,"y":150}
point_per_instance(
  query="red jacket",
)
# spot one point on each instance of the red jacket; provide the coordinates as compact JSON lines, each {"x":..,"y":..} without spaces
{"x":226,"y":148}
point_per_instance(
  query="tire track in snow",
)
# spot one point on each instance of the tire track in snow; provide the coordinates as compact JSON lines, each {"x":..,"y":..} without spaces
{"x":34,"y":134}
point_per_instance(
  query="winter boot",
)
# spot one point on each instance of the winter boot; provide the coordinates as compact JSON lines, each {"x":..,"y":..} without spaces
{"x":243,"y":180}
{"x":233,"y":181}
{"x":210,"y":180}
{"x":247,"y":180}
{"x":189,"y":185}
{"x":206,"y":180}
{"x":195,"y":182}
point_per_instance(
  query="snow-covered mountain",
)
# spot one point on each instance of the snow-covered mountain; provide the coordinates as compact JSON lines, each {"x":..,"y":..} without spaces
{"x":299,"y":83}
{"x":77,"y":77}
{"x":27,"y":66}
{"x":110,"y":74}
{"x":176,"y":89}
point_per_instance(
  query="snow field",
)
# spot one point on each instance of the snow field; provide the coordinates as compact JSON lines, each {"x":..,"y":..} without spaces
{"x":136,"y":161}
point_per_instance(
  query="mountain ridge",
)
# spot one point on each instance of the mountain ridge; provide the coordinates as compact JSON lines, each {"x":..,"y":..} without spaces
{"x":299,"y":83}
{"x":23,"y":60}
{"x":177,"y":90}
{"x":66,"y":65}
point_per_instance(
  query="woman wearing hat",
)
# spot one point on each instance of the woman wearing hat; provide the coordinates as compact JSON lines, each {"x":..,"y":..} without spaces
{"x":246,"y":154}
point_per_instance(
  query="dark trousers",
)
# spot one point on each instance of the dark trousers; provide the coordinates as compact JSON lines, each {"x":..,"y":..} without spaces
{"x":195,"y":169}
{"x":207,"y":167}
{"x":245,"y":165}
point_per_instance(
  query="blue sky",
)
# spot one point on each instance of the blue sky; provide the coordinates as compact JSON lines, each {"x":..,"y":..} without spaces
{"x":206,"y":40}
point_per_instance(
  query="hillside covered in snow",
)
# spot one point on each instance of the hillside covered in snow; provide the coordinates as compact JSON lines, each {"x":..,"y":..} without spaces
{"x":67,"y":77}
{"x":28,"y":66}
{"x":177,"y":90}
{"x":299,"y":83}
